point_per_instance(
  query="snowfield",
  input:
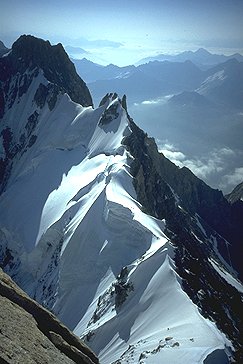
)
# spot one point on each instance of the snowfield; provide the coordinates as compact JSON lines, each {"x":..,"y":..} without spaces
{"x":83,"y":246}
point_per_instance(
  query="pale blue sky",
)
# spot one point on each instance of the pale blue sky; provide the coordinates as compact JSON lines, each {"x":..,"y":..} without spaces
{"x":134,"y":29}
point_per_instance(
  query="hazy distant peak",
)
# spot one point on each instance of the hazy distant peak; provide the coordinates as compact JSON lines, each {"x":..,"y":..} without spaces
{"x":200,"y":56}
{"x":2,"y":45}
{"x":85,"y":61}
{"x":3,"y":49}
{"x":190,"y":98}
{"x":202,"y":52}
{"x":75,"y":50}
{"x":231,"y":63}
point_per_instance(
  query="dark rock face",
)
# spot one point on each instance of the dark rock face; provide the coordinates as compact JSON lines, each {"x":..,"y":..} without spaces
{"x":13,"y":148}
{"x":31,"y":52}
{"x":29,"y":333}
{"x":113,"y":96}
{"x":30,"y":56}
{"x":185,"y":202}
{"x":122,"y":288}
{"x":3,"y":49}
{"x":216,"y":357}
{"x":158,"y":181}
{"x":110,"y":114}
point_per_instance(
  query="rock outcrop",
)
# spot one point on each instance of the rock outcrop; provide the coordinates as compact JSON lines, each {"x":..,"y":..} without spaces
{"x":156,"y":176}
{"x":31,"y":334}
{"x":32,"y":58}
{"x":29,"y":55}
{"x":194,"y":213}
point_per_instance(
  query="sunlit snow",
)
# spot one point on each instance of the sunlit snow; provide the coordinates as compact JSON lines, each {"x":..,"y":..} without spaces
{"x":77,"y":200}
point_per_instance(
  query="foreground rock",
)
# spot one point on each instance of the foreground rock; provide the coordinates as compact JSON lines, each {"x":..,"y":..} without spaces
{"x":31,"y":334}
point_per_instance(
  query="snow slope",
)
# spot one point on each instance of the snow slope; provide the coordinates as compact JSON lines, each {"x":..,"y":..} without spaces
{"x":81,"y":244}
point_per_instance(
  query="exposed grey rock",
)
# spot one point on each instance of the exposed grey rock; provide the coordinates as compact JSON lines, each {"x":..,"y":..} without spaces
{"x":30,"y":334}
{"x":158,"y":181}
{"x":176,"y":195}
{"x":55,"y":63}
{"x":34,"y":54}
{"x":124,"y":102}
{"x":30,"y":56}
{"x":122,"y":288}
{"x":113,"y":96}
{"x":109,"y":114}
{"x":69,"y":350}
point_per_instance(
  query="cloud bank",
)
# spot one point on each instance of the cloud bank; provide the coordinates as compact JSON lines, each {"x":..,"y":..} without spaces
{"x":218,"y":168}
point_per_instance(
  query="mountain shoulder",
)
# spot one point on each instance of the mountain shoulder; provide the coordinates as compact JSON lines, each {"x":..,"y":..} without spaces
{"x":31,"y":333}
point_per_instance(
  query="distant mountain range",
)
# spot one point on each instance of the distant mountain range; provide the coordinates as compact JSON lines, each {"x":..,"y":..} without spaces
{"x":199,"y":57}
{"x":190,"y":98}
{"x":222,"y":86}
{"x":222,"y":83}
{"x":181,"y":100}
{"x":92,"y":72}
{"x":143,"y":82}
{"x":75,"y":50}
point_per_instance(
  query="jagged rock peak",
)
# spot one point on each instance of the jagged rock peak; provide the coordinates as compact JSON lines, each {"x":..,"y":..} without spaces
{"x":29,"y":51}
{"x":30,"y":48}
{"x":45,"y":341}
{"x":109,"y":96}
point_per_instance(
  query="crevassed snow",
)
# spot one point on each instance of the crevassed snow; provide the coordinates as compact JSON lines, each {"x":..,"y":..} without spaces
{"x":74,"y":181}
{"x":117,"y":191}
{"x":158,"y":320}
{"x":42,"y":170}
{"x":77,"y":195}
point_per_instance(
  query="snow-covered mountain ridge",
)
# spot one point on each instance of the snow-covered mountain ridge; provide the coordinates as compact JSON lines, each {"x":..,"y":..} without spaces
{"x":107,"y":233}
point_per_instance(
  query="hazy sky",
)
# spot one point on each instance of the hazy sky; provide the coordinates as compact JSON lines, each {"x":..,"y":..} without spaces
{"x":129,"y":29}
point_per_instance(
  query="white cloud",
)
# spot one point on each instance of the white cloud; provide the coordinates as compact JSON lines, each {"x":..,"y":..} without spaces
{"x":170,"y":152}
{"x":216,"y":168}
{"x":158,"y":101}
{"x":212,"y":163}
{"x":233,"y":179}
{"x":150,"y":102}
{"x":203,"y":168}
{"x":174,"y":156}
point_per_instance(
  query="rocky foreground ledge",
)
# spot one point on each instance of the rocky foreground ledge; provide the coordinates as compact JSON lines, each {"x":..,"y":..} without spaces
{"x":31,"y":334}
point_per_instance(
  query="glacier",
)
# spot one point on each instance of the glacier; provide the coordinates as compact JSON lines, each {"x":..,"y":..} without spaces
{"x":77,"y":224}
{"x":75,"y":237}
